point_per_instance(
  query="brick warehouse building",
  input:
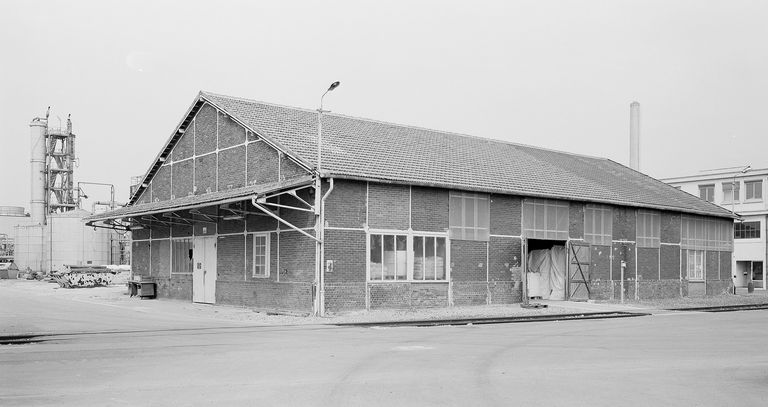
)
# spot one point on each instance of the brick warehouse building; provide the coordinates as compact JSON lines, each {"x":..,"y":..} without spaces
{"x":411,"y":217}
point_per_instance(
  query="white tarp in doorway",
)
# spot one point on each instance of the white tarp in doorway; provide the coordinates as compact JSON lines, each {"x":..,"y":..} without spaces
{"x":548,"y":265}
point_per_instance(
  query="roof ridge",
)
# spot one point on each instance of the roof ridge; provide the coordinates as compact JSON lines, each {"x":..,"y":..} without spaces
{"x":408,"y":126}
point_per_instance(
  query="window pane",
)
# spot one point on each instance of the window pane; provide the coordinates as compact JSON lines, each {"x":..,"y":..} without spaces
{"x":469,"y":213}
{"x":456,"y":211}
{"x":429,"y":260}
{"x":402,"y":258}
{"x":376,"y":263}
{"x":418,"y":258}
{"x":389,"y":257}
{"x":440,"y":259}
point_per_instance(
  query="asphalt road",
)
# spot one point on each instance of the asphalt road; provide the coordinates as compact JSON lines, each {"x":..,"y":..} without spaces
{"x":681,"y":359}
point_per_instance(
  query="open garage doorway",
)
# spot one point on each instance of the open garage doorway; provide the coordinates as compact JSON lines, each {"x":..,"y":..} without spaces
{"x":546,"y":269}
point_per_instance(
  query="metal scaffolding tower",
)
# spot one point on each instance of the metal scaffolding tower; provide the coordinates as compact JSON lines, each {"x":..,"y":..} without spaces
{"x":60,"y":165}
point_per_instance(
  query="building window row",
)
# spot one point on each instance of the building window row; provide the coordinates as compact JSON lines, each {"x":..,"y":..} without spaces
{"x":701,"y":233}
{"x":746,"y":230}
{"x":598,"y":224}
{"x":469,"y":216}
{"x":648,"y":229}
{"x":406,"y":257}
{"x":732,"y":191}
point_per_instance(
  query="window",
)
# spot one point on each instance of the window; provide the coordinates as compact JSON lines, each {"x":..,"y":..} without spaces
{"x":400,"y":257}
{"x":648,"y":229}
{"x":598,"y":225}
{"x":469,"y":215}
{"x":428,"y":258}
{"x":545,"y":219}
{"x":731,"y":191}
{"x":695,"y":267}
{"x":702,"y":233}
{"x":260,"y":255}
{"x":707,"y":192}
{"x":746,"y":230}
{"x":754,"y":189}
{"x":181,"y":256}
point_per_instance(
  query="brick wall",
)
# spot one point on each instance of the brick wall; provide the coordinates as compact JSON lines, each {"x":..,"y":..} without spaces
{"x":161,"y":184}
{"x":230,"y":133}
{"x":266,"y":295}
{"x":389,"y":206}
{"x":140,"y":258}
{"x":647,"y":263}
{"x":347,"y":250}
{"x":670,"y":227}
{"x":205,"y":174}
{"x":289,"y":169}
{"x":297,"y":257}
{"x":160,"y":231}
{"x":576,"y":220}
{"x":185,"y":147}
{"x":468,"y":260}
{"x":300,"y":219}
{"x":161,"y":258}
{"x":624,"y":223}
{"x":712,"y":267}
{"x":506,"y":212}
{"x":231,"y":171}
{"x":429,"y":207}
{"x":504,"y":259}
{"x":626,"y":251}
{"x":230,"y":226}
{"x":205,"y":130}
{"x":230,"y":258}
{"x":345,"y":206}
{"x":600,"y":263}
{"x":670,"y":262}
{"x":183,"y":180}
{"x":256,"y":223}
{"x":726,"y":271}
{"x":263,"y":163}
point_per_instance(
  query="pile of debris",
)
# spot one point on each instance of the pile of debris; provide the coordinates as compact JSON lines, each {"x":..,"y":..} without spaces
{"x":84,"y":276}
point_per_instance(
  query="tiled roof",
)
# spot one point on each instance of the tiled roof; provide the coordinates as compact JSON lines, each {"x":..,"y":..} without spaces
{"x":374,"y":150}
{"x":194,"y":201}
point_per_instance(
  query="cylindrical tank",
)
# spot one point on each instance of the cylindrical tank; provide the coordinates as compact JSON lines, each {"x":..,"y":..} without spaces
{"x":38,"y":149}
{"x":71,"y":242}
{"x":28,"y":251}
{"x":634,"y":136}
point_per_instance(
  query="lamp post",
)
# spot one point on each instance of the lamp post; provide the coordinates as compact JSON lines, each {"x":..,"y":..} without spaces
{"x":736,"y":219}
{"x":319,"y":303}
{"x":733,"y":188}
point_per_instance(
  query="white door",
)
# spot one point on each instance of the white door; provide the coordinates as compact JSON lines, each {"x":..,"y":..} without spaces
{"x":204,"y":273}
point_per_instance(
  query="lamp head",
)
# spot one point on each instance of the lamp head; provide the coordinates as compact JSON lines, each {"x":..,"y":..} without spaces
{"x":747,"y":168}
{"x":334,"y":86}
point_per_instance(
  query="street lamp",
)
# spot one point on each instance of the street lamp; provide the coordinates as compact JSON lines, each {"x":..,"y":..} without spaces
{"x":733,"y":188}
{"x":319,"y":221}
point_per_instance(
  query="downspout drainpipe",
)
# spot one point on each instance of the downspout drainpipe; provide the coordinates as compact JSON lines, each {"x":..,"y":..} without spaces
{"x":322,"y":247}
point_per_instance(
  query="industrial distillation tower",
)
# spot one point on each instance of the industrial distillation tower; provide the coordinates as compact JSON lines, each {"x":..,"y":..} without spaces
{"x":52,"y":164}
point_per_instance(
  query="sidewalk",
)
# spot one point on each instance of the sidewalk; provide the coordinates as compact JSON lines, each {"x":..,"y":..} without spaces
{"x":42,"y":308}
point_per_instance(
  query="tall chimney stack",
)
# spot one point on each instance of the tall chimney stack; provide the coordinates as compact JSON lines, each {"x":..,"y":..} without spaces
{"x":38,"y":128}
{"x":634,"y":136}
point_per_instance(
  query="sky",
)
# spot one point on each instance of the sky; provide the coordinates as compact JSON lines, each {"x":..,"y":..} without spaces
{"x":550,"y":73}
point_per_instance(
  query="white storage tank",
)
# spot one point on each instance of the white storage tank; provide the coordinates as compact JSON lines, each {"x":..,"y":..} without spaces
{"x":71,"y":242}
{"x":28,"y":251}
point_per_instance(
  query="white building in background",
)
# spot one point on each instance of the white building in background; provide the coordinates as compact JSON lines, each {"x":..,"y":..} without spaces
{"x":743,"y":191}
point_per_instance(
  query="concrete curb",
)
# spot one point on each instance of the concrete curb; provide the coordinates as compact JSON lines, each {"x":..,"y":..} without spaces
{"x":723,"y":308}
{"x":499,"y":320}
